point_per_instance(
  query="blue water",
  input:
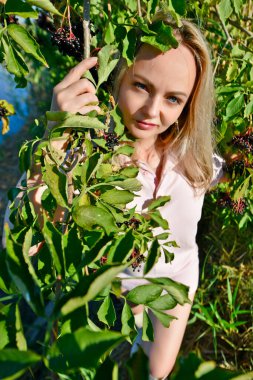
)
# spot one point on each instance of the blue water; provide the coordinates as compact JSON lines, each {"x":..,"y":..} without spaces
{"x":17,"y":97}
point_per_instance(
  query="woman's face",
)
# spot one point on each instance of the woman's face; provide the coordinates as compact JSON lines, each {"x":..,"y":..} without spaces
{"x":155,"y":89}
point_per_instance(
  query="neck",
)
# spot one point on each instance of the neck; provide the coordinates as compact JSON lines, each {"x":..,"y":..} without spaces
{"x":147,"y":151}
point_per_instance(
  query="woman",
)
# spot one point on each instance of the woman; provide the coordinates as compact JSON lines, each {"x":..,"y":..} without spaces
{"x":166,"y":100}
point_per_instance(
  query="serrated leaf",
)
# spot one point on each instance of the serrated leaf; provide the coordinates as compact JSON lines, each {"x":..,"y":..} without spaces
{"x":159,"y":202}
{"x":235,"y":106}
{"x":106,"y":63}
{"x":46,"y":5}
{"x":58,"y":115}
{"x":20,"y":8}
{"x":115,"y":196}
{"x":153,"y":256}
{"x":81,"y":349}
{"x":21,"y":276}
{"x":25,"y":40}
{"x":80,"y":121}
{"x":125,"y":149}
{"x":104,"y":171}
{"x":232,"y":71}
{"x":129,"y":46}
{"x":89,"y":216}
{"x":238,"y":6}
{"x":177,"y":290}
{"x":88,"y":288}
{"x":127,"y":320}
{"x":106,"y":312}
{"x":13,"y":361}
{"x":90,"y":167}
{"x":57,"y":183}
{"x":144,"y":294}
{"x":164,"y":38}
{"x":165,"y":302}
{"x":130,"y":172}
{"x":147,"y":328}
{"x":225,"y":9}
{"x":109,"y":34}
{"x":164,"y":318}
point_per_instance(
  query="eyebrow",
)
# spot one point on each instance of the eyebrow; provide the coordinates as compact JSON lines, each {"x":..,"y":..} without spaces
{"x":178,"y":93}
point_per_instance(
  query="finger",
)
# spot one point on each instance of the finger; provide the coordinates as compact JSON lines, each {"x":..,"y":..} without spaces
{"x":86,"y":109}
{"x":76,"y":72}
{"x":82,"y":86}
{"x":74,"y":104}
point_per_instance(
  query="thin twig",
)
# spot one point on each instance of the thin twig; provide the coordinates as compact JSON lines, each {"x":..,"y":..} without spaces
{"x":139,"y":8}
{"x":238,"y":26}
{"x":86,"y":28}
{"x":229,"y":39}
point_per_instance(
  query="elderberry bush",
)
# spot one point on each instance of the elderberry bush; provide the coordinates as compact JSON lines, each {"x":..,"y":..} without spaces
{"x":111,"y":139}
{"x":67,"y":42}
{"x":243,"y":142}
{"x":238,"y":206}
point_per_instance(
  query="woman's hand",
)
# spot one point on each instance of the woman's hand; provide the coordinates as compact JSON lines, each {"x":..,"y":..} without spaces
{"x":74,"y":93}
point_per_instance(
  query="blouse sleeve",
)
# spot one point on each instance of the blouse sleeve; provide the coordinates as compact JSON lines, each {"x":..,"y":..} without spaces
{"x":218,"y":169}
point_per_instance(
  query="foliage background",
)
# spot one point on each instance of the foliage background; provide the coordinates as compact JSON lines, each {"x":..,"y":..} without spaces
{"x":220,"y":327}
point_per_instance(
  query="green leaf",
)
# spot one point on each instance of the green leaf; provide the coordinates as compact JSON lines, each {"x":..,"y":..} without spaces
{"x":248,"y":109}
{"x":144,"y":294}
{"x":106,"y":63}
{"x":153,"y":256}
{"x":89,"y":216}
{"x":178,"y":291}
{"x":9,"y":107}
{"x":225,"y":10}
{"x":179,"y":6}
{"x":11,"y":329}
{"x":13,"y":361}
{"x":21,"y":275}
{"x":164,"y":38}
{"x":127,"y":320}
{"x":46,"y":5}
{"x":81,"y":349}
{"x":90,"y":167}
{"x":232,"y":71}
{"x":25,"y":40}
{"x":164,"y":318}
{"x":106,"y":312}
{"x":88,"y":288}
{"x":147,"y":328}
{"x":238,"y":6}
{"x":159,"y":202}
{"x":129,"y":46}
{"x":20,"y":8}
{"x":122,"y":248}
{"x":57,"y":183}
{"x":53,"y":240}
{"x":235,"y":106}
{"x":58,"y":115}
{"x":125,"y":149}
{"x":116,"y":197}
{"x":104,"y":171}
{"x":15,"y":63}
{"x":157,"y":217}
{"x":130,"y":171}
{"x":5,"y":279}
{"x":166,"y":302}
{"x":109,"y":34}
{"x":80,"y":121}
{"x":131,"y":184}
{"x":117,"y":117}
{"x":72,"y":251}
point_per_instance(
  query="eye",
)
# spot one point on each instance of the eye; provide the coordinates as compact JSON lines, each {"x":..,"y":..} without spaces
{"x":140,"y":85}
{"x":173,"y":100}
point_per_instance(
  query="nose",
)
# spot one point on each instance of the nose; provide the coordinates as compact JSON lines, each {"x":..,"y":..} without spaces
{"x":152,"y":107}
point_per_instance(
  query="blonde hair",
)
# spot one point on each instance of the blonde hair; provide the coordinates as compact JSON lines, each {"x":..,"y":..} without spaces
{"x":191,"y":139}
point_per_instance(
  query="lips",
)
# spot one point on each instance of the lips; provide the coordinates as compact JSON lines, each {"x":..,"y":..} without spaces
{"x":145,"y":125}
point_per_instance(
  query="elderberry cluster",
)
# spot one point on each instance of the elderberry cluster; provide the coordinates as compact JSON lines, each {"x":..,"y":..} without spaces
{"x":238,"y":206}
{"x":111,"y":139}
{"x":10,"y":19}
{"x":67,"y":42}
{"x":139,"y":259}
{"x":244,"y":142}
{"x":133,"y":222}
{"x":3,"y":111}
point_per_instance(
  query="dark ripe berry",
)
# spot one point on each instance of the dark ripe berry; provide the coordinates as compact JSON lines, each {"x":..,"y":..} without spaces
{"x":3,"y":111}
{"x":10,"y":19}
{"x":139,"y":259}
{"x":244,"y":142}
{"x":111,"y":140}
{"x":237,"y":167}
{"x":133,"y":222}
{"x":67,"y":42}
{"x":224,"y":200}
{"x":103,"y":260}
{"x":239,"y":206}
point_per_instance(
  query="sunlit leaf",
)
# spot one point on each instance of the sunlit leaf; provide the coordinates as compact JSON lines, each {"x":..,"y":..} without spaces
{"x":115,"y":196}
{"x":57,"y":183}
{"x":127,"y":320}
{"x":20,"y":8}
{"x":159,"y":202}
{"x":106,"y":62}
{"x":147,"y":328}
{"x":46,"y":5}
{"x":106,"y":312}
{"x":164,"y":318}
{"x":13,"y":361}
{"x":144,"y":294}
{"x":25,"y":40}
{"x":177,"y":290}
{"x":165,"y":302}
{"x":89,"y":216}
{"x":235,"y":106}
{"x":225,"y":9}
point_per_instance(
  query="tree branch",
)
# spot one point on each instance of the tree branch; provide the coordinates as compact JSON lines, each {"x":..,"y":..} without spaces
{"x":229,"y":39}
{"x":238,"y":26}
{"x":86,"y":28}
